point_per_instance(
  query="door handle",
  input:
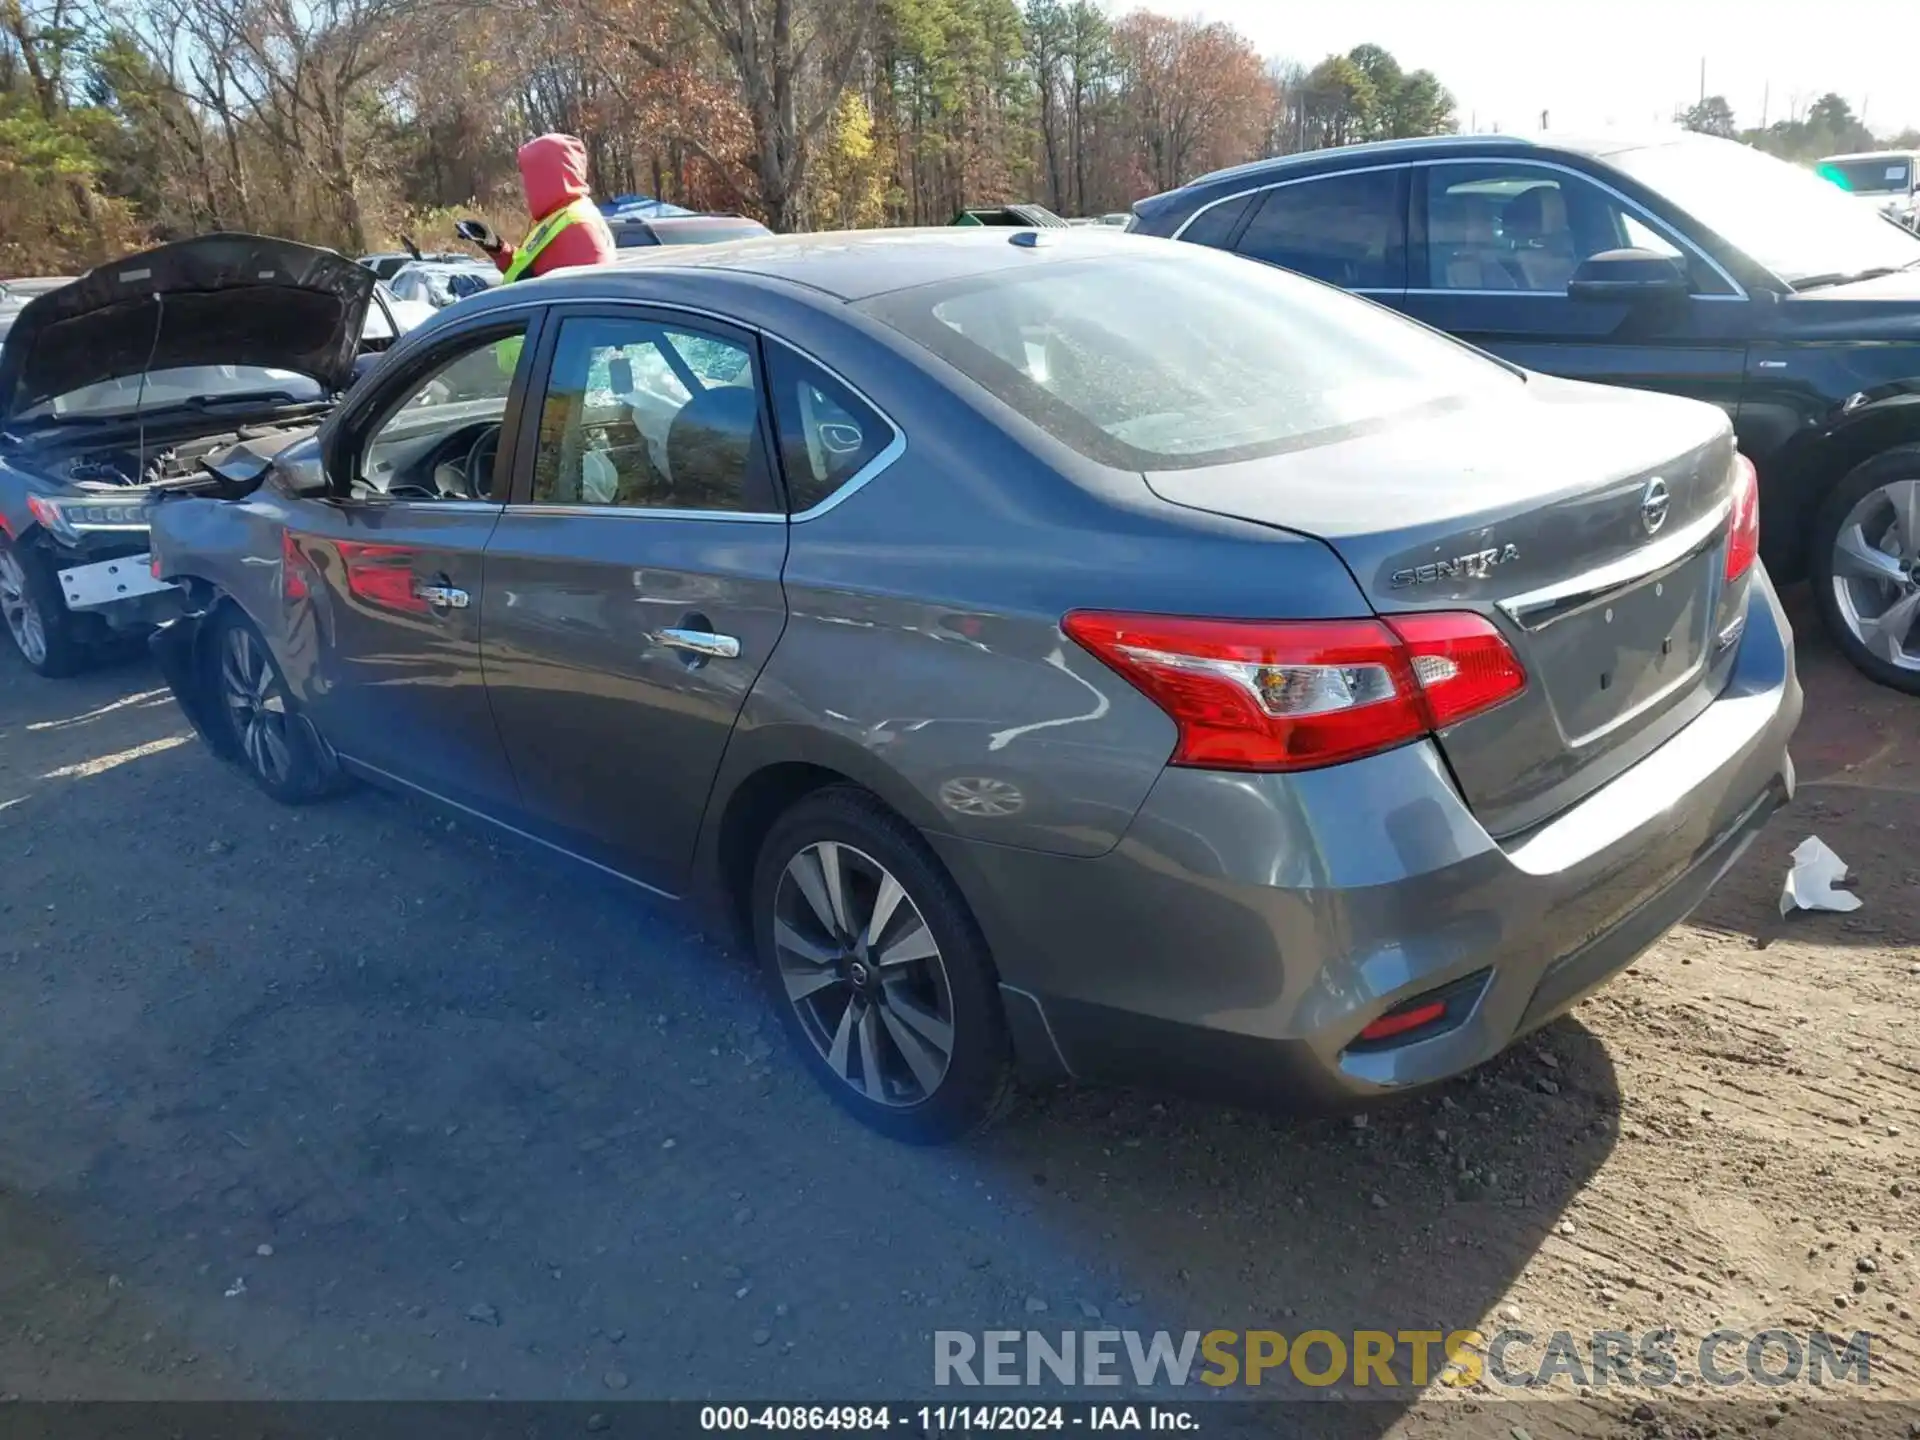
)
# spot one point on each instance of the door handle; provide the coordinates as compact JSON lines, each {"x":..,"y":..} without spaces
{"x":441,"y":596}
{"x":699,"y":642}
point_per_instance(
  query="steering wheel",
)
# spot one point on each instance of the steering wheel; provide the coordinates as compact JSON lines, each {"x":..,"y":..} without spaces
{"x":481,"y":456}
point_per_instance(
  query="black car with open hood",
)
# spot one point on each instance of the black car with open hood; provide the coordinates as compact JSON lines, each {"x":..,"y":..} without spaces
{"x":132,"y":375}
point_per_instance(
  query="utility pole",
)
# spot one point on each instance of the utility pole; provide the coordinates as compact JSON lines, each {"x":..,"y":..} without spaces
{"x":1766,"y":95}
{"x":1703,"y":79}
{"x":1543,"y":120}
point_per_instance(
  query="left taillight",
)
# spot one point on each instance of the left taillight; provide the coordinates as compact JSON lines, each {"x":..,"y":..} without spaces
{"x":1297,"y":695}
{"x":1743,"y":531}
{"x":293,"y":569}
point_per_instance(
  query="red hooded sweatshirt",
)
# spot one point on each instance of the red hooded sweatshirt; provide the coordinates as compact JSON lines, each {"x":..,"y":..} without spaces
{"x":553,"y":168}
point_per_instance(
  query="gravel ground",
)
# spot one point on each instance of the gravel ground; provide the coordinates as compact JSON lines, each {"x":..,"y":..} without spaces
{"x":355,"y":1102}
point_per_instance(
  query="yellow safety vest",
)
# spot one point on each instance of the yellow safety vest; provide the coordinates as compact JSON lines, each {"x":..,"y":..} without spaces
{"x":574,"y":212}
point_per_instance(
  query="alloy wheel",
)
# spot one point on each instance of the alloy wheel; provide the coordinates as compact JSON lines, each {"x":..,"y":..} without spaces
{"x":1876,"y":572}
{"x":256,"y":706}
{"x":22,"y":611}
{"x":864,"y":973}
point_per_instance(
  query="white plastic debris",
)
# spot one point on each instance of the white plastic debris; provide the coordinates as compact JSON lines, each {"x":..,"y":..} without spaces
{"x":1810,"y":884}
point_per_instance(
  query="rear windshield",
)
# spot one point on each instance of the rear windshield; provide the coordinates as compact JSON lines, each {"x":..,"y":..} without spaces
{"x":1185,"y":357}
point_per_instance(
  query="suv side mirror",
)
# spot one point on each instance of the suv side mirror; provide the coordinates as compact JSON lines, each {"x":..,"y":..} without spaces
{"x":1630,"y":277}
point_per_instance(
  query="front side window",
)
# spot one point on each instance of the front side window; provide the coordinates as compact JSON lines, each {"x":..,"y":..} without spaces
{"x":1349,"y":230}
{"x":1500,"y":226}
{"x":1185,"y":356}
{"x":828,"y":434}
{"x":651,"y":417}
{"x":442,"y":437}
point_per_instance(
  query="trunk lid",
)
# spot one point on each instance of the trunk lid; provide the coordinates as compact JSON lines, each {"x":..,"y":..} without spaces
{"x":1588,"y":523}
{"x":242,"y":300}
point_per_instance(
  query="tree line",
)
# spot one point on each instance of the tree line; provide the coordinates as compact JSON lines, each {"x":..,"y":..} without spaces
{"x":1828,"y":128}
{"x":353,"y":123}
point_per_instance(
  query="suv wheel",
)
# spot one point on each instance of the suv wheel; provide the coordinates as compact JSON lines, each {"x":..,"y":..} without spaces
{"x":880,"y":974}
{"x":1867,"y":567}
{"x":35,"y":615}
{"x":251,"y":704}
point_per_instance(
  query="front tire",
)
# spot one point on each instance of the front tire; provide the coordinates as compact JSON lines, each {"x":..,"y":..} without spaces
{"x":880,"y":974}
{"x":35,"y":615}
{"x":259,"y":726}
{"x":1866,"y":566}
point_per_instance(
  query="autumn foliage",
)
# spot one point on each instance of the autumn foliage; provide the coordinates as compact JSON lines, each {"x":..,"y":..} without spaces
{"x":355,"y":123}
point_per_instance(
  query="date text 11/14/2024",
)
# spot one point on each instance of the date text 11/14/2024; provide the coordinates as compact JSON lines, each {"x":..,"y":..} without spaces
{"x":943,"y":1419}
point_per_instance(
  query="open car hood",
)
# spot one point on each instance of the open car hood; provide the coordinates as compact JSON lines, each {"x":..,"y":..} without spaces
{"x":213,"y":300}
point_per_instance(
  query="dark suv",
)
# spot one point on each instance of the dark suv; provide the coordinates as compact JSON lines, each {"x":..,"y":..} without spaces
{"x":1682,"y":263}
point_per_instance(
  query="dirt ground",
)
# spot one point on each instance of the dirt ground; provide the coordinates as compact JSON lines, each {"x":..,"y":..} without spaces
{"x":356,"y":1102}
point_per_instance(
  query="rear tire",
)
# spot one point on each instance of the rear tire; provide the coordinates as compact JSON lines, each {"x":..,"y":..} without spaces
{"x":248,"y":699}
{"x":898,"y":1017}
{"x":1866,"y":567}
{"x":35,"y":614}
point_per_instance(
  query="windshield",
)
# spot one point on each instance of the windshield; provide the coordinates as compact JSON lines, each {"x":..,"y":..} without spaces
{"x":173,"y":387}
{"x":1788,"y":219}
{"x":1185,"y":357}
{"x":1880,"y":175}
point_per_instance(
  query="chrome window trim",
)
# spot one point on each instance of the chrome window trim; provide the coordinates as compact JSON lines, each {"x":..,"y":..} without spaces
{"x":641,"y":512}
{"x":1640,"y":211}
{"x":439,"y":507}
{"x":857,"y":481}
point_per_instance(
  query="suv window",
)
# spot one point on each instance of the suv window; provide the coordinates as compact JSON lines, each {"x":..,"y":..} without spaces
{"x":645,"y":416}
{"x":1349,"y":230}
{"x":827,"y":433}
{"x":1214,"y":227}
{"x":1501,"y":226}
{"x":441,"y":440}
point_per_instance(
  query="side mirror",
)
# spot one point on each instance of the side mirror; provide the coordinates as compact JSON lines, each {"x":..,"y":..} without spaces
{"x":1629,"y":277}
{"x":302,"y":475}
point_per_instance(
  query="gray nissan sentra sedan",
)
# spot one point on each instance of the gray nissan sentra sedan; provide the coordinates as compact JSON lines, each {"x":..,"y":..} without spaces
{"x":1061,"y":653}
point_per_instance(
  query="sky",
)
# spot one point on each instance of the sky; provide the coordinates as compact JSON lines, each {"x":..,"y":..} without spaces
{"x":1615,"y":64}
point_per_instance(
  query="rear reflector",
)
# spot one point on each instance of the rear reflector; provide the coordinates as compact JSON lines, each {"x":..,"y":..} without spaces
{"x":1295,"y":695}
{"x":1743,"y":532}
{"x":1401,"y":1021}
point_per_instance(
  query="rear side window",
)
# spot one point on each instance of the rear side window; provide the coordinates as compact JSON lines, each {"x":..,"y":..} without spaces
{"x":1215,"y":226}
{"x":1349,"y":230}
{"x":828,"y":434}
{"x":1185,"y":356}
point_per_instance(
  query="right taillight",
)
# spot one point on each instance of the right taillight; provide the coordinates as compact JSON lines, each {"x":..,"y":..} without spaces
{"x":1743,"y":532}
{"x":1295,"y":695}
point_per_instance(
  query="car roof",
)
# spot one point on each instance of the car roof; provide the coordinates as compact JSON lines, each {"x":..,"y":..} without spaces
{"x":1595,"y":145}
{"x":852,"y":265}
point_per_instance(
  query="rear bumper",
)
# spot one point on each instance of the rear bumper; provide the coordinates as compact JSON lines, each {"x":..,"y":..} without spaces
{"x":1246,"y":929}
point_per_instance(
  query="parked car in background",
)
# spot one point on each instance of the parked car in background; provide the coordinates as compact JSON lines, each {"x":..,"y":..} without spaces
{"x":1683,"y":263}
{"x":23,"y":288}
{"x":964,"y":617}
{"x":1119,"y":219}
{"x":132,"y":376}
{"x":636,"y":231}
{"x":440,"y":283}
{"x":1887,"y":181}
{"x":389,"y":263}
{"x":1031,"y":217}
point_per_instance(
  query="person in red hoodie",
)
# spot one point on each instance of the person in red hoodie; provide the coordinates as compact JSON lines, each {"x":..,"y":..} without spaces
{"x":567,"y":226}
